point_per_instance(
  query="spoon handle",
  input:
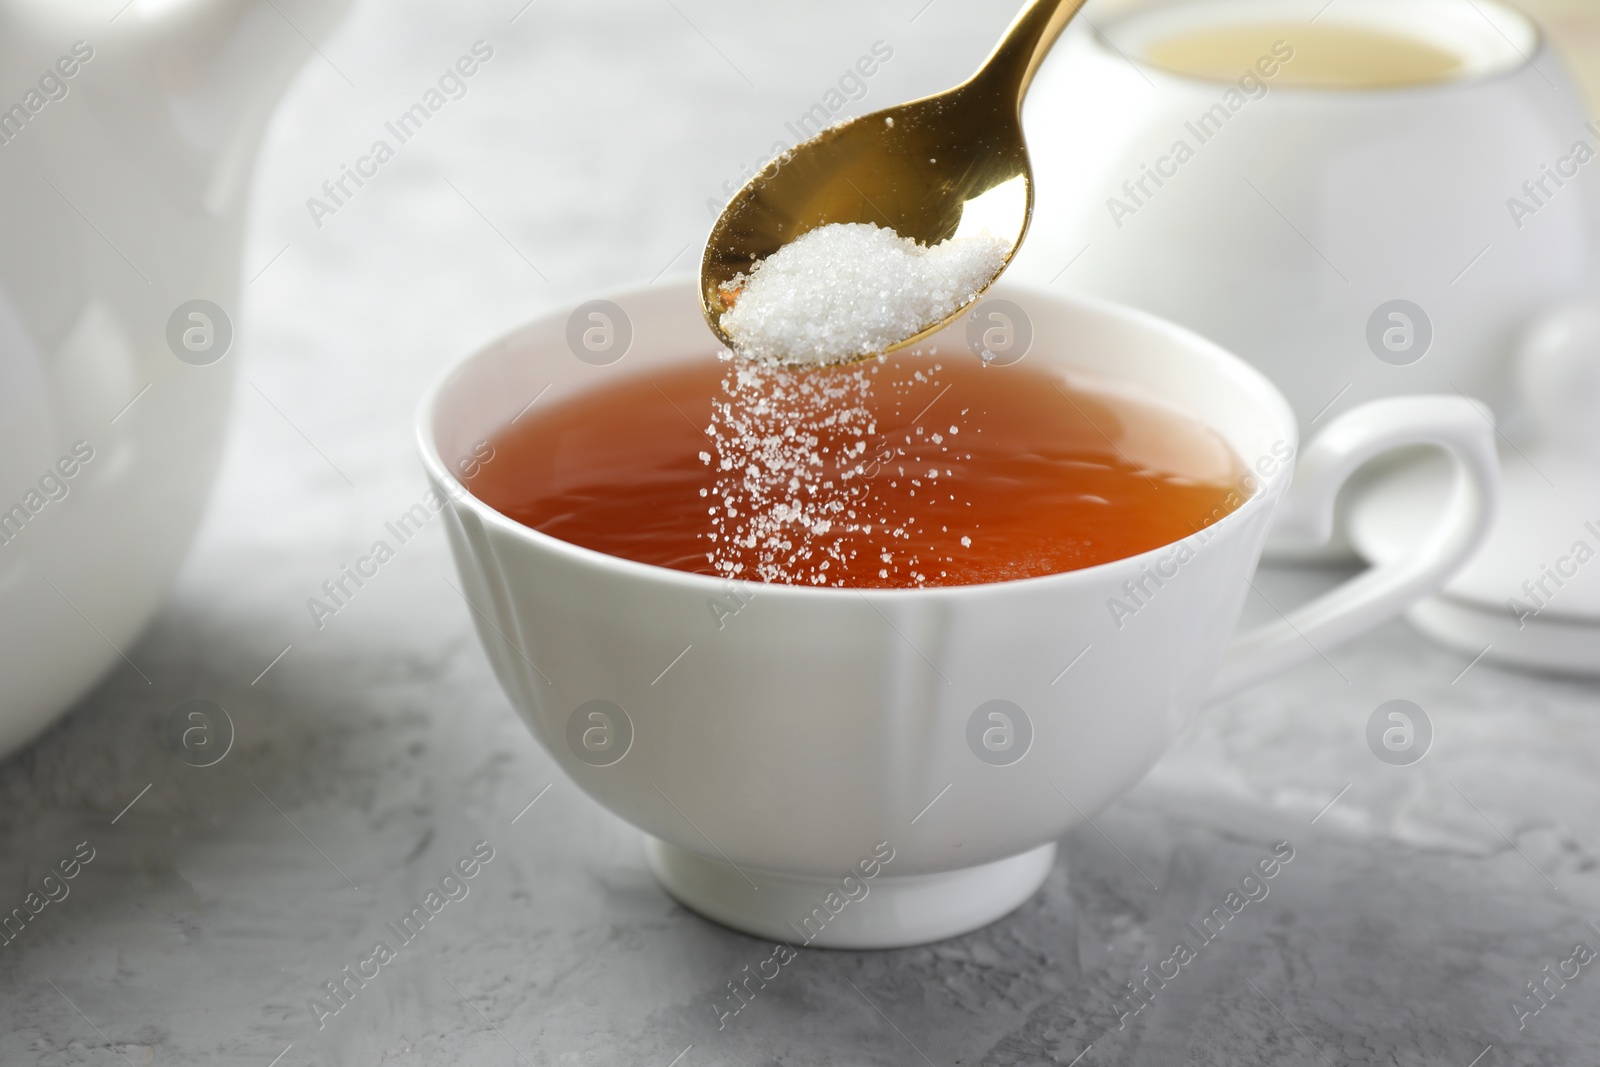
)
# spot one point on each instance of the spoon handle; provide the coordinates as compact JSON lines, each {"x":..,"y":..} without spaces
{"x":1015,"y":60}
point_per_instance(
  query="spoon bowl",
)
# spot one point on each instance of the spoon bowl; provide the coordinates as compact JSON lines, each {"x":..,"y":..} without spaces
{"x":950,"y":165}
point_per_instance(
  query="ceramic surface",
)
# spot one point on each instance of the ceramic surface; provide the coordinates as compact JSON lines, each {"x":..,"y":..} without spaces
{"x":817,"y":724}
{"x":128,"y":133}
{"x":1291,"y":224}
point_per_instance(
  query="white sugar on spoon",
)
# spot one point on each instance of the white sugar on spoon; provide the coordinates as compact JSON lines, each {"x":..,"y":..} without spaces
{"x":954,"y":164}
{"x":848,"y":290}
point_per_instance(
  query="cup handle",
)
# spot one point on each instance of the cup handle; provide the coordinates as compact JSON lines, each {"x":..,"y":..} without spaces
{"x":1464,"y":430}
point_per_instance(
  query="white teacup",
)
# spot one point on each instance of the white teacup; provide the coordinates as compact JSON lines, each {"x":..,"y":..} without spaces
{"x":867,"y":769}
{"x":1352,"y":243}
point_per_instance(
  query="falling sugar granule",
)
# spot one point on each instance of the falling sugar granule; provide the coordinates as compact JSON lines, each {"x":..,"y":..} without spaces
{"x":853,"y":289}
{"x":795,"y":454}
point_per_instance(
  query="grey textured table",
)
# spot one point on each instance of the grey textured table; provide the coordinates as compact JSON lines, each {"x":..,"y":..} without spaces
{"x":378,"y":750}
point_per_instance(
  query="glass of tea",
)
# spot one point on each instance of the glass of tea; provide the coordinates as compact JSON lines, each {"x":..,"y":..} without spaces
{"x":854,"y":646}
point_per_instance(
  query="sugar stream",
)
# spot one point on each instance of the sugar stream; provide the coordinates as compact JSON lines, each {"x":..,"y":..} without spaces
{"x":786,"y":507}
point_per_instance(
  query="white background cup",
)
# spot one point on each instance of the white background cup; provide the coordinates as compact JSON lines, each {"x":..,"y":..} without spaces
{"x":1351,"y":243}
{"x":771,"y":754}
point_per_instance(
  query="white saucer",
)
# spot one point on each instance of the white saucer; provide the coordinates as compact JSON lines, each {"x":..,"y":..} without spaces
{"x":1532,"y":596}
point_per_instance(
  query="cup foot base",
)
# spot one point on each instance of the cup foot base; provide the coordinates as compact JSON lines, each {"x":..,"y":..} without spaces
{"x":895,"y":912}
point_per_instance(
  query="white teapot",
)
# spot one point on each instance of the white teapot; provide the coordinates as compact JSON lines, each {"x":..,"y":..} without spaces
{"x":128,"y":134}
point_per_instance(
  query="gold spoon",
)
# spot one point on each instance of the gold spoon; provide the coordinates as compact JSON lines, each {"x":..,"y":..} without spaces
{"x":944,"y":166}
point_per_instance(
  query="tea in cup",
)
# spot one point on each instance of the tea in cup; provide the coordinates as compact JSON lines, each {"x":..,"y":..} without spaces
{"x":870,"y":760}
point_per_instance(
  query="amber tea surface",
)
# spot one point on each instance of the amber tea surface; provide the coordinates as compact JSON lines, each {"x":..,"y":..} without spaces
{"x":910,"y":471}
